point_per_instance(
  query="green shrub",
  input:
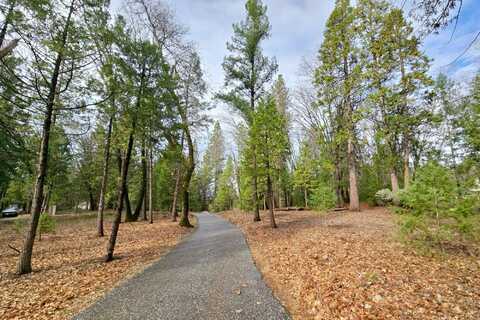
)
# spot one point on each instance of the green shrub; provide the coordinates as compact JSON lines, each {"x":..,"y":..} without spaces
{"x":384,"y":197}
{"x":435,"y":212}
{"x":323,"y":197}
{"x":46,"y":224}
{"x":433,"y":193}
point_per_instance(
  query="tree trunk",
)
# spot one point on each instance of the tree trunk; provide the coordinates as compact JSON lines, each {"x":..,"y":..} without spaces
{"x":394,"y":180}
{"x":8,"y":19}
{"x":284,"y":202}
{"x":190,"y":167}
{"x":145,"y":205}
{"x":103,"y":187}
{"x":122,"y":192}
{"x":25,"y":261}
{"x":305,"y":197}
{"x":352,"y":173}
{"x":273,"y":224}
{"x":175,"y":194}
{"x":256,"y":216}
{"x":406,"y":168}
{"x":338,"y":178}
{"x":122,"y":188}
{"x":150,"y":185}
{"x":128,"y":204}
{"x":91,"y":200}
{"x":255,"y":189}
{"x":128,"y":207}
{"x":143,"y":190}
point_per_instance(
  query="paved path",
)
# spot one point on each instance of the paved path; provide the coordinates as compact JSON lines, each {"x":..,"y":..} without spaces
{"x":210,"y":275}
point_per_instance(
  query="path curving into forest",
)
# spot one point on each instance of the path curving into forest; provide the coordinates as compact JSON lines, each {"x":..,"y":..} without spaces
{"x":210,"y":275}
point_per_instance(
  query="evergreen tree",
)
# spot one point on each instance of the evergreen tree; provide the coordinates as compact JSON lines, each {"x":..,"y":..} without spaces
{"x":247,"y":71}
{"x":270,"y":145}
{"x":304,"y":173}
{"x":226,"y":195}
{"x":339,"y":79}
{"x":282,"y":101}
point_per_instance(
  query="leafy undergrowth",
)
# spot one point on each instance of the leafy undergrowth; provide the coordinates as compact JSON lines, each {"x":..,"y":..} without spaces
{"x":350,"y":266}
{"x":69,"y":273}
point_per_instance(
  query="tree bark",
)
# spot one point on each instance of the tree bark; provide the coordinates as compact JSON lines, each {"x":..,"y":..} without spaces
{"x":150,"y":184}
{"x":128,"y":204}
{"x":175,"y":194}
{"x":305,"y":197}
{"x":352,"y":173}
{"x":145,"y":206}
{"x":122,"y":191}
{"x":256,"y":208}
{"x":394,"y":181}
{"x":273,"y":224}
{"x":91,"y":200}
{"x":122,"y":188}
{"x":184,"y":221}
{"x":406,"y":168}
{"x":178,"y":177}
{"x":142,"y":192}
{"x":25,"y":261}
{"x":103,"y":187}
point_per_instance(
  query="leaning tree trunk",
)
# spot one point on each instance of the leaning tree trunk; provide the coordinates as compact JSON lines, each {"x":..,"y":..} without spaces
{"x":178,"y":175}
{"x":142,"y":192}
{"x":25,"y":262}
{"x":103,"y":188}
{"x":128,"y":207}
{"x":175,"y":194}
{"x":122,"y":188}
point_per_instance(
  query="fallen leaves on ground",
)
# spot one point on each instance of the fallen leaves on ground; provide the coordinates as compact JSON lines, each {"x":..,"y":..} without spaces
{"x":345,"y":265}
{"x":69,"y":273}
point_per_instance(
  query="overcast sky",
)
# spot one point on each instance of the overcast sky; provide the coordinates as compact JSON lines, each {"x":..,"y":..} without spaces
{"x":297,"y":31}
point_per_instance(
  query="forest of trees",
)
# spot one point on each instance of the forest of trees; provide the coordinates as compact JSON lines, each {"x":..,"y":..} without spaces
{"x":101,"y":111}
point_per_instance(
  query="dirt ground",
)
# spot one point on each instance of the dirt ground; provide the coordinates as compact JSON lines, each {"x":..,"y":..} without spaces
{"x":344,"y":265}
{"x":69,"y":273}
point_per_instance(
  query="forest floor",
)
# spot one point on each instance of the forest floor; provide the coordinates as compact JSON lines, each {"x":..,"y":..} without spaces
{"x":69,"y":272}
{"x":343,"y":265}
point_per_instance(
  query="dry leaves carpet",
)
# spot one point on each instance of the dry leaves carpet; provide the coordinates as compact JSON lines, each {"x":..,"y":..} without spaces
{"x":350,"y":266}
{"x":69,"y":273}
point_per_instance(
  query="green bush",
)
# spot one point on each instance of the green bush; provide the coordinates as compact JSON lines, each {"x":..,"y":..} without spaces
{"x":384,"y":197}
{"x":435,"y":211}
{"x":433,"y":193}
{"x":46,"y":224}
{"x":323,"y":197}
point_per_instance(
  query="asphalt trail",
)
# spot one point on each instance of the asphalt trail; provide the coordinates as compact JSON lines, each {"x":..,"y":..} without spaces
{"x":210,"y":275}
